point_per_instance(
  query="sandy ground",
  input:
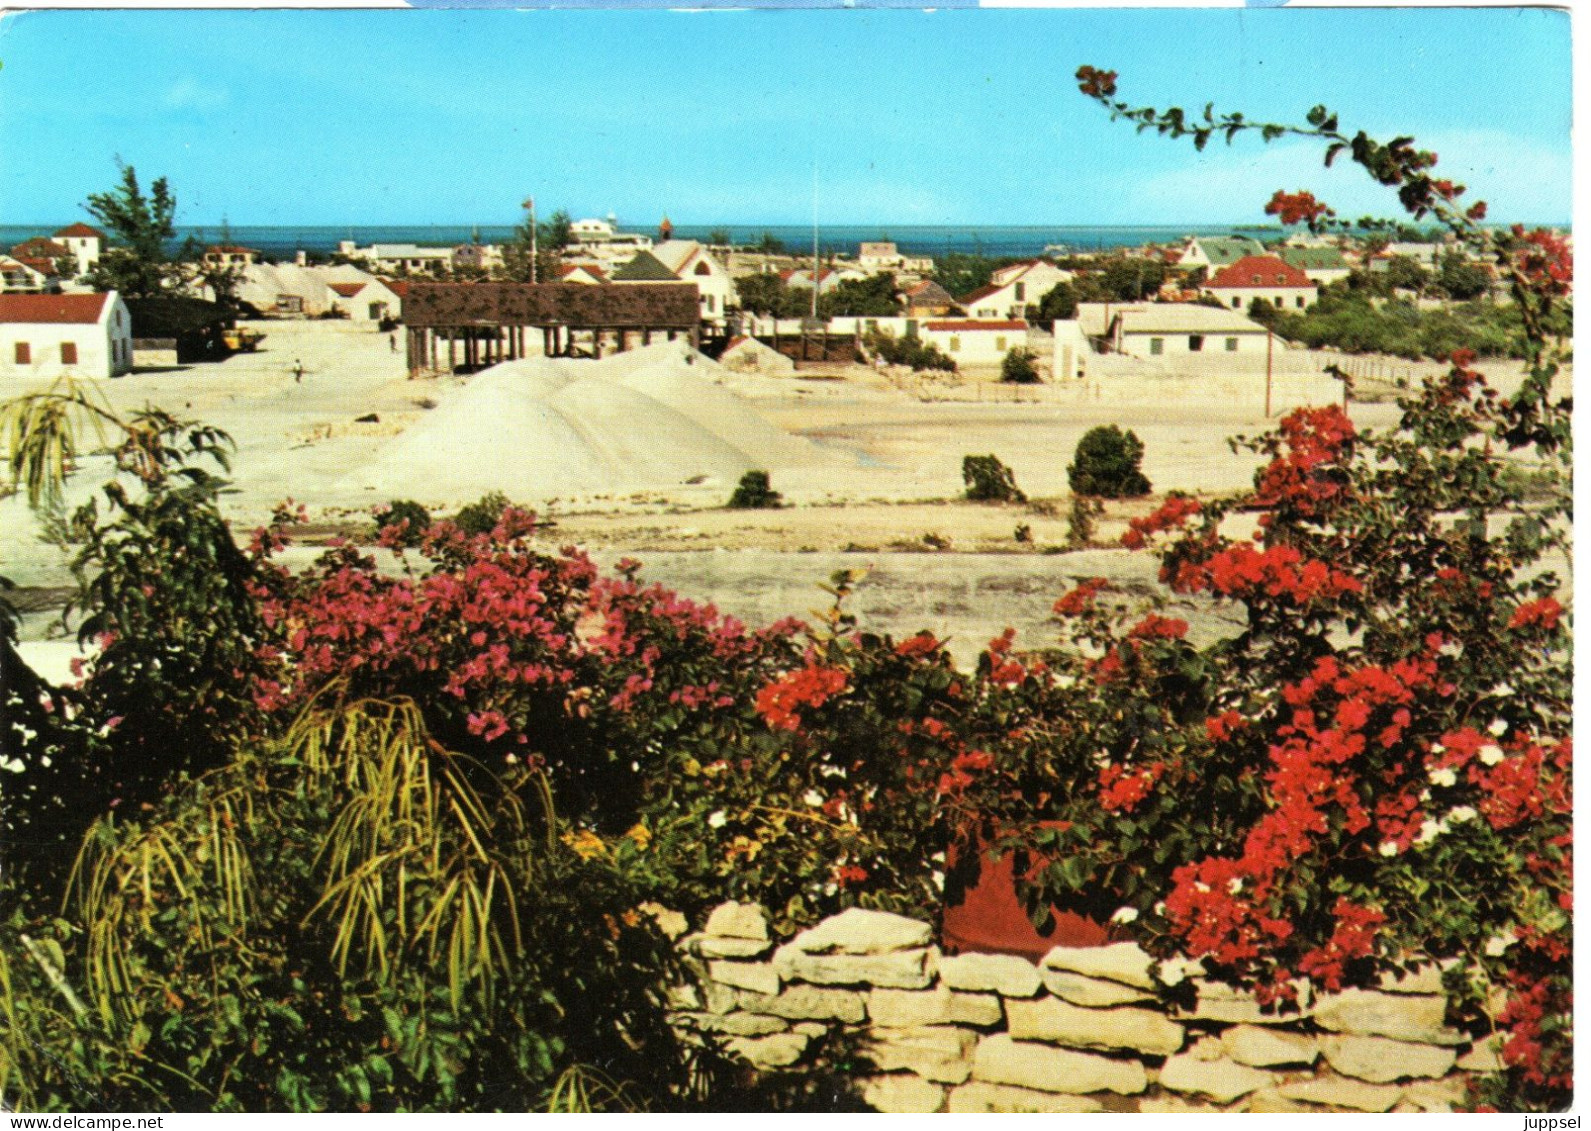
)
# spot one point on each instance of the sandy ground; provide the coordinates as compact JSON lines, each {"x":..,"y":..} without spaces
{"x":879,"y":481}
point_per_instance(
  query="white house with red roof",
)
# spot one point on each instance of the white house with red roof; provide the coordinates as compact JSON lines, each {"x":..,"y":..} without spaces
{"x":366,"y":300}
{"x":1014,"y":288}
{"x":1263,"y":276}
{"x":46,"y":336}
{"x":590,"y":274}
{"x":975,"y":342}
{"x":85,"y":243}
{"x":26,"y":276}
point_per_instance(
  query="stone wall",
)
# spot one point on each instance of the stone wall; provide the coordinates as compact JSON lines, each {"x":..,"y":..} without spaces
{"x":1087,"y":1029}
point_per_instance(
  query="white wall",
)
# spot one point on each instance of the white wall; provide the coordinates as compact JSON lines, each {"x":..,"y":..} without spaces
{"x":104,"y":349}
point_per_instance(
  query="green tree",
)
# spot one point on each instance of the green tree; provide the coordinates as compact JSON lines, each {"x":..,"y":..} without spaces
{"x":873,"y":296}
{"x":1058,"y":303}
{"x":140,"y":226}
{"x":552,"y":237}
{"x":962,"y":272}
{"x":770,"y":244}
{"x":718,"y":237}
{"x":1107,"y":464}
{"x":771,"y":296}
{"x":1461,"y":279}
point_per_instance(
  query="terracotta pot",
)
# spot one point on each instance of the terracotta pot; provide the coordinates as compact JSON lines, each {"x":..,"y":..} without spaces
{"x":990,"y":918}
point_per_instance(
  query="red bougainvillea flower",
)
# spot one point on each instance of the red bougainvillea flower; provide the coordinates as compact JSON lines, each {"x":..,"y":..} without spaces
{"x":1297,"y":208}
{"x":1077,"y":601}
{"x":1096,"y":83}
{"x":1175,"y":511}
{"x":812,"y":686}
{"x":1543,"y":613}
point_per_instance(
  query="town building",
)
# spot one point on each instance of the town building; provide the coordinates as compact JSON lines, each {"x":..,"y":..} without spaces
{"x":975,"y":342}
{"x":1014,"y":288}
{"x":49,"y":335}
{"x":1323,"y":265}
{"x":1214,"y":252}
{"x":828,"y":277}
{"x":26,"y":276}
{"x":85,"y":243}
{"x":1154,"y":330}
{"x":879,"y":256}
{"x":1263,"y":277}
{"x":691,"y":262}
{"x":929,"y":300}
{"x":369,"y":300}
{"x":230,"y":255}
{"x":399,"y":258}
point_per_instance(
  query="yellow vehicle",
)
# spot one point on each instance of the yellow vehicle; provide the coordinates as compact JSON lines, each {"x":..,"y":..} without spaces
{"x":242,"y":341}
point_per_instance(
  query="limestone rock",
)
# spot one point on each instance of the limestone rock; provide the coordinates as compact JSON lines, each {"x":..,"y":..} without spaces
{"x":713,"y":946}
{"x":1380,"y":1060}
{"x":860,"y":931}
{"x":1222,"y":1080}
{"x":670,"y":922}
{"x":719,"y":998}
{"x":1080,"y":989}
{"x":1403,"y":1017}
{"x":941,"y":1053}
{"x":979,"y":1097}
{"x":938,"y":1006}
{"x":807,"y":1003}
{"x":1485,"y":1056}
{"x":684,"y":996}
{"x":902,"y":1095}
{"x":1003,"y":974}
{"x":1175,"y":1105}
{"x":1050,"y":1019}
{"x":1426,"y":979}
{"x":1119,"y":962}
{"x":758,"y":977}
{"x":900,"y":969}
{"x":779,"y":1050}
{"x":736,"y":1024}
{"x":1260,"y":1047}
{"x":1437,"y":1095}
{"x":1000,"y":1059}
{"x":1269,"y":1101}
{"x":738,"y":921}
{"x":813,"y":1029}
{"x":1218,"y":1001}
{"x":1334,"y":1091}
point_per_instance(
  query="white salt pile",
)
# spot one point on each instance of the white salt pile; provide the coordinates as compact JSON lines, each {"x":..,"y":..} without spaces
{"x":541,"y":428}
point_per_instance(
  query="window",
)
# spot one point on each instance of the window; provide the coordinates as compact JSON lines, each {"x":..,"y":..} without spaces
{"x":1195,"y":343}
{"x":1231,"y":345}
{"x":24,"y":353}
{"x":707,"y":303}
{"x":1157,"y":346}
{"x":999,"y":343}
{"x":1300,"y":301}
{"x":1021,"y":292}
{"x":1237,"y":303}
{"x":68,"y":353}
{"x":703,"y":269}
{"x":955,"y":344}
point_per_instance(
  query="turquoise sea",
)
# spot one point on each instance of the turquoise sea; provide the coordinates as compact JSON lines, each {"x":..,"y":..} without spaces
{"x":280,"y":242}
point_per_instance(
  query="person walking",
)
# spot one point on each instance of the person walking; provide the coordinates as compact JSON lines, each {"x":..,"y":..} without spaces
{"x":298,"y":371}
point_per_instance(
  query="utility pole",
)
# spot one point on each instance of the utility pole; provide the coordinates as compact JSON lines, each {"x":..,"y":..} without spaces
{"x":530,"y":207}
{"x":816,"y":270}
{"x":1270,"y":347}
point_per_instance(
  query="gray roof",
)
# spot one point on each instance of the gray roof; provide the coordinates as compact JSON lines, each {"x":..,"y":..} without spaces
{"x":1095,"y":318}
{"x":1225,"y":250}
{"x":1313,"y":258}
{"x":645,"y":268}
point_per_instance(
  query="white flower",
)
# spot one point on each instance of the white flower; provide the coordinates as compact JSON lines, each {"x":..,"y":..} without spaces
{"x":1451,"y":648}
{"x":1491,"y":754}
{"x":1437,"y":748}
{"x":1503,"y":689}
{"x":813,"y":798}
{"x":1429,"y":831}
{"x":1160,"y":909}
{"x":1124,"y":915}
{"x":1388,"y":848}
{"x":1443,"y":775}
{"x":1460,"y":814}
{"x":1234,"y":885}
{"x":716,"y":819}
{"x":1200,"y":886}
{"x":1498,"y":728}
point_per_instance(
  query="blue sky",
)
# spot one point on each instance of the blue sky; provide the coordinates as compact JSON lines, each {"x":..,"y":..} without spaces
{"x":945,"y":117}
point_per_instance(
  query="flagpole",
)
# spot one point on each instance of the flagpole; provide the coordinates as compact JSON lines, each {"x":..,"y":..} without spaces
{"x":817,"y":278}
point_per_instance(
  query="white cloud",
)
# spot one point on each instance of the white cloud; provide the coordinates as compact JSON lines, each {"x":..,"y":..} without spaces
{"x":191,"y":94}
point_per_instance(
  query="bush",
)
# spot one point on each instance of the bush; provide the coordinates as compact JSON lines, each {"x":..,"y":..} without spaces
{"x":910,"y":351}
{"x":754,"y":493}
{"x":990,"y":481}
{"x":481,"y":516}
{"x":1018,"y":368}
{"x":1106,"y":465}
{"x":407,"y":517}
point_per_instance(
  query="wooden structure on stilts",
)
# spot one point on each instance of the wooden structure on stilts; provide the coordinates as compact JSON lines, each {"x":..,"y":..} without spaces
{"x":453,"y":326}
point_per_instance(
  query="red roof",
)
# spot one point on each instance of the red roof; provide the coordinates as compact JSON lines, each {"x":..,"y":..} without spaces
{"x":41,"y":248}
{"x":39,"y":263}
{"x":81,"y":231}
{"x":347,"y":290}
{"x":590,"y":269}
{"x":52,"y":308}
{"x":972,"y":324}
{"x":1260,"y":271}
{"x":399,"y":287}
